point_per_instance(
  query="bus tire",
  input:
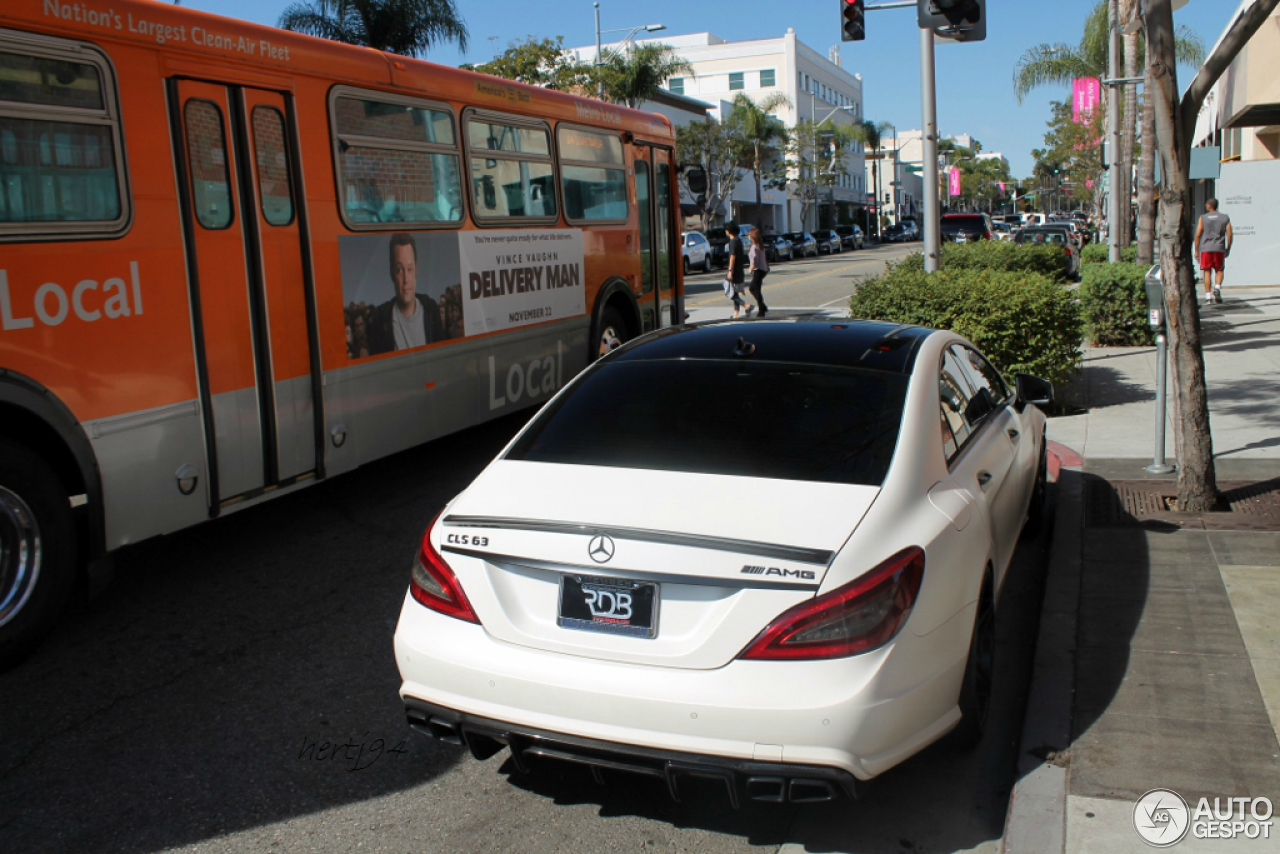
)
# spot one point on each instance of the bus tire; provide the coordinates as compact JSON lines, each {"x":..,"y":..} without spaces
{"x":613,"y":330}
{"x":37,"y":551}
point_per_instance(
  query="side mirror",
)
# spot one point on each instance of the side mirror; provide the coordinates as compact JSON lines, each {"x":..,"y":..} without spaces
{"x":1033,"y":390}
{"x":696,"y":178}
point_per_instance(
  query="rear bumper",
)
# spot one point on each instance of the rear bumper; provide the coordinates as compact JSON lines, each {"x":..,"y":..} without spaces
{"x":743,"y":780}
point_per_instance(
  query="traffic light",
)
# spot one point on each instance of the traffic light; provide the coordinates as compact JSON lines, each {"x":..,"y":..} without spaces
{"x":853,"y":20}
{"x":962,"y":20}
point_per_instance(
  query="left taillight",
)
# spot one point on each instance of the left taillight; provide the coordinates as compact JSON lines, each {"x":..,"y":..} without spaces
{"x":863,"y":615}
{"x":433,"y":584}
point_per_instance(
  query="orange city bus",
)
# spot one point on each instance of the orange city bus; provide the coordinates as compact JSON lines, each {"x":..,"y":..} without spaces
{"x":235,"y":260}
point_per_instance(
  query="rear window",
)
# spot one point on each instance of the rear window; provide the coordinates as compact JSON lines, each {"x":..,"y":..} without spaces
{"x":760,"y":419}
{"x":963,"y":223}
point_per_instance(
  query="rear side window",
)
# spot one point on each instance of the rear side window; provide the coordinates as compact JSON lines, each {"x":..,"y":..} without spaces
{"x":61,"y":159}
{"x":763,"y":419}
{"x":593,"y":174}
{"x":398,"y":162}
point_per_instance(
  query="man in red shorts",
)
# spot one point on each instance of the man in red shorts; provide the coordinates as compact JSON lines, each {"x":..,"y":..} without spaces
{"x":1213,"y":243}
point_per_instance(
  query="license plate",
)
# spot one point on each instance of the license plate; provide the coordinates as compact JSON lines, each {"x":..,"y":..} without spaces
{"x":611,"y":605}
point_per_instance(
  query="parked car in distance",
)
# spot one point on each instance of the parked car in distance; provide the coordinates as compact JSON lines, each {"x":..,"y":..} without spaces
{"x":965,"y":227}
{"x":849,"y":627}
{"x":777,"y":248}
{"x":829,"y":242}
{"x":697,"y":251}
{"x":1046,"y":236}
{"x":850,"y":236}
{"x":1002,"y":231}
{"x":802,"y":243}
{"x":896,"y":233}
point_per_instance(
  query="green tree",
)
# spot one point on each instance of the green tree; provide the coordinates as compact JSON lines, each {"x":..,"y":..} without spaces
{"x":409,"y":27}
{"x":761,"y":132}
{"x":538,"y":62}
{"x":815,"y":160}
{"x":719,"y":148}
{"x":635,"y":74}
{"x":873,"y":135}
{"x":1072,"y":148}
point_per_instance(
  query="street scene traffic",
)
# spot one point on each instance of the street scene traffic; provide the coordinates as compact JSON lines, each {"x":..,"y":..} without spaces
{"x":726,"y":446}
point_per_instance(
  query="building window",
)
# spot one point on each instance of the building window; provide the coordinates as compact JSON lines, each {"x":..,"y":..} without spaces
{"x":767,"y":78}
{"x":676,"y":85}
{"x":736,"y":81}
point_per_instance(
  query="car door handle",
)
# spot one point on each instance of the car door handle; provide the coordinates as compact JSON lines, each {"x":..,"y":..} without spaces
{"x":1013,"y":433}
{"x":984,"y":477}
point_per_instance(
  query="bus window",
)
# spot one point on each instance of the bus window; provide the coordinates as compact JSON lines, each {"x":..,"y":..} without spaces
{"x":207,"y":150}
{"x":511,"y":172}
{"x":273,"y":165}
{"x":593,"y":175}
{"x":60,"y":161}
{"x":397,"y":162}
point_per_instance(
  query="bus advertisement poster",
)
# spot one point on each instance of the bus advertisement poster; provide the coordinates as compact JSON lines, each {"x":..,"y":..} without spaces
{"x":516,"y":278}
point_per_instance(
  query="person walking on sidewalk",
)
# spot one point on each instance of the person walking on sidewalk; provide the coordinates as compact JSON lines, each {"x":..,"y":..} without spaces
{"x":1213,"y":244}
{"x":758,"y":267}
{"x":736,"y":277}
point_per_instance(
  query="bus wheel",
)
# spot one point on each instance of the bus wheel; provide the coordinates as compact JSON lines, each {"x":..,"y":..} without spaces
{"x":613,"y":330}
{"x":37,"y":551}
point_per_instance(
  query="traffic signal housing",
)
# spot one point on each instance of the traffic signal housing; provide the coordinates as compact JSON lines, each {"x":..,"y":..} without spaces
{"x":961,"y":20}
{"x":853,"y":20}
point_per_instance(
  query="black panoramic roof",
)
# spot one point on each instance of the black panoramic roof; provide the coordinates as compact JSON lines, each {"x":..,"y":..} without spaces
{"x":841,"y":343}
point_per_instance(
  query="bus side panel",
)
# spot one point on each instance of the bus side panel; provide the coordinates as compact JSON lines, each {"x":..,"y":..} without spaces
{"x":392,"y":404}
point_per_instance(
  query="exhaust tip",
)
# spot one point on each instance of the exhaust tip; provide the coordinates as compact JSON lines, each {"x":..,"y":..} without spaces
{"x":810,"y":792}
{"x":769,"y":789}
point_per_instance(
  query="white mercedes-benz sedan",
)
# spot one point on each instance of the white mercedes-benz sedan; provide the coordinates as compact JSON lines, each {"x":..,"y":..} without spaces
{"x":767,"y":552}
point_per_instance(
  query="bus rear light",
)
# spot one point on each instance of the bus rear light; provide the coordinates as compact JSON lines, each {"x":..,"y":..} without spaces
{"x":433,"y":584}
{"x":863,"y":615}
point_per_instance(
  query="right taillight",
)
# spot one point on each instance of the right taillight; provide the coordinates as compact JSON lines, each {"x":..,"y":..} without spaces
{"x":863,"y":615}
{"x":433,"y":584}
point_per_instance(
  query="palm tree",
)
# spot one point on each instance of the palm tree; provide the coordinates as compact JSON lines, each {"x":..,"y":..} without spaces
{"x":873,"y":133}
{"x":408,"y":27}
{"x":636,"y":74}
{"x":761,"y":130}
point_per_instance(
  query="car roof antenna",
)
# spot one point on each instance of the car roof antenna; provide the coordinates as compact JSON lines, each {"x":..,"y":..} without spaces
{"x":744,"y":348}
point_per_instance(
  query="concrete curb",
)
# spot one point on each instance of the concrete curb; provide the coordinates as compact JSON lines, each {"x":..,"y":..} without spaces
{"x":1036,"y":822}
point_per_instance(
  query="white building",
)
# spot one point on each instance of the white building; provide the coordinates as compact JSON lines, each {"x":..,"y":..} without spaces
{"x":818,"y":89}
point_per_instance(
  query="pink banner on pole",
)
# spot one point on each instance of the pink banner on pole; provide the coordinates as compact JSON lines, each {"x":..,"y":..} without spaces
{"x":1000,"y":184}
{"x":954,"y":182}
{"x":1086,"y":95}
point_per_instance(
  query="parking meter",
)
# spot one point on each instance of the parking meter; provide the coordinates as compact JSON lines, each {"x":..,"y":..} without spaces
{"x":1154,"y":283}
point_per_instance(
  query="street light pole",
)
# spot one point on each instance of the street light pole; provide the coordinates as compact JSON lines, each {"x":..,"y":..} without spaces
{"x":929,"y":110}
{"x":630,"y":31}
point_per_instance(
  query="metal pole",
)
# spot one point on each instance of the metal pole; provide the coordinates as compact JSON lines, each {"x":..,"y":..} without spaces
{"x":1113,"y":133}
{"x":929,"y":111}
{"x":601,"y":92}
{"x":1158,"y":465}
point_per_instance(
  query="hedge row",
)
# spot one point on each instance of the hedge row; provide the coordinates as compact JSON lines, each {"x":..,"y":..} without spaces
{"x":1024,"y":322}
{"x":1003,"y":255}
{"x":1113,"y":299}
{"x":1098,"y":253}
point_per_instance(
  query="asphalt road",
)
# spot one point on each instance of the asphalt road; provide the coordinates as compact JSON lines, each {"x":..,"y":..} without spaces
{"x":187,"y":709}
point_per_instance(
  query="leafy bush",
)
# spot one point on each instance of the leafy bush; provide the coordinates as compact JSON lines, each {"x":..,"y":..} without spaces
{"x":1024,"y":322}
{"x":1114,"y":302}
{"x":1098,"y":253}
{"x":996,"y":255}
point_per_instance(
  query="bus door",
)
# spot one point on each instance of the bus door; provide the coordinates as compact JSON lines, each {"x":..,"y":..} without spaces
{"x":658,"y":249}
{"x":249,"y":285}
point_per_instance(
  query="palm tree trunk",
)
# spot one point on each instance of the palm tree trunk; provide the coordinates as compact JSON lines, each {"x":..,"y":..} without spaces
{"x":1147,"y":176}
{"x":759,"y":195}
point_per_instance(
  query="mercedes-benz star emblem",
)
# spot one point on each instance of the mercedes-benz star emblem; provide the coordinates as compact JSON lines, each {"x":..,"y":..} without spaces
{"x":600,"y":548}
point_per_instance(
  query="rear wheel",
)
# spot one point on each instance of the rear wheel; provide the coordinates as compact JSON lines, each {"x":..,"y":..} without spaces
{"x":706,"y":263}
{"x":686,"y":265}
{"x":979,"y":673}
{"x":613,"y":331}
{"x":37,"y":551}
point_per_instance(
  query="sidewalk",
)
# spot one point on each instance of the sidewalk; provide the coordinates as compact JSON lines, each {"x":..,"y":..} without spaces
{"x":1158,"y":662}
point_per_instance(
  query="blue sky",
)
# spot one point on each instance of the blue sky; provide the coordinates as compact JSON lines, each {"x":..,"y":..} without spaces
{"x":975,"y":81}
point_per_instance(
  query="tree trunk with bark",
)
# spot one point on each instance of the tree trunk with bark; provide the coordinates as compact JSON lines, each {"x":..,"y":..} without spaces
{"x":1147,"y":175}
{"x":1129,"y":121}
{"x":1175,"y":127}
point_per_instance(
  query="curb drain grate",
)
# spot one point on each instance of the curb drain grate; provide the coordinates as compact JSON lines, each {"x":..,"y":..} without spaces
{"x":1121,"y":504}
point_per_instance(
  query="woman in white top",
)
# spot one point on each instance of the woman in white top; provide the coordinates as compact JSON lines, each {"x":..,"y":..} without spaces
{"x":758,"y":267}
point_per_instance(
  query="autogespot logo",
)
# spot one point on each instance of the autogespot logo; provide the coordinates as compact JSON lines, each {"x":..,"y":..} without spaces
{"x":1161,"y":818}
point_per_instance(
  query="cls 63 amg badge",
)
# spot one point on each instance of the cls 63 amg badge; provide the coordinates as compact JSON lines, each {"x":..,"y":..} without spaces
{"x":804,"y":574}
